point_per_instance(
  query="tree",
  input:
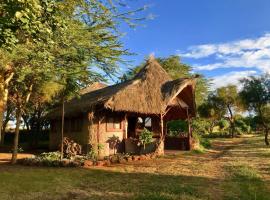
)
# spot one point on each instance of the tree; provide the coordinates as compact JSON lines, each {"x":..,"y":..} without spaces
{"x":59,"y":41}
{"x":209,"y":111}
{"x":8,"y":116}
{"x":227,"y":97}
{"x":256,"y":96}
{"x":176,"y":70}
{"x":23,"y":24}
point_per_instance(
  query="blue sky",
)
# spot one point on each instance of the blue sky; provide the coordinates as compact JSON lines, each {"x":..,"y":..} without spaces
{"x":223,"y":39}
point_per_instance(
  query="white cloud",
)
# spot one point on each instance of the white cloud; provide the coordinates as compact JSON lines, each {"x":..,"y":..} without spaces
{"x":230,"y":78}
{"x":247,"y":53}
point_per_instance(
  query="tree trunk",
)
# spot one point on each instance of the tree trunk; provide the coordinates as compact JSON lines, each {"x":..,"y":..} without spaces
{"x":160,"y":146}
{"x":231,"y":119}
{"x":4,"y":83}
{"x":16,"y":136}
{"x":62,"y":129}
{"x":3,"y":103}
{"x":211,"y":128}
{"x":3,"y":131}
{"x":232,"y":129}
{"x":5,"y":123}
{"x":266,"y":136}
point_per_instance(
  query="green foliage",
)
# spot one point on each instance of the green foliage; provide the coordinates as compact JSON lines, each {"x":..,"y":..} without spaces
{"x":256,"y":96}
{"x":241,"y":126}
{"x":200,"y":126}
{"x":145,"y":137}
{"x":205,"y":142}
{"x":66,"y":44}
{"x":92,"y":154}
{"x":223,"y":124}
{"x":50,"y":156}
{"x":226,"y":100}
{"x":176,"y":126}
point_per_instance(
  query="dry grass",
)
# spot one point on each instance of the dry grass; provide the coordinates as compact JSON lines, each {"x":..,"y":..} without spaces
{"x":233,"y":169}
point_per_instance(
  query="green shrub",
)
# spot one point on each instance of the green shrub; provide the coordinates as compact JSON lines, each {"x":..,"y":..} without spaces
{"x":176,"y":126}
{"x":221,"y":134}
{"x":145,"y":137}
{"x":223,"y":124}
{"x":200,"y":126}
{"x":50,"y":156}
{"x":91,"y":155}
{"x":205,"y":142}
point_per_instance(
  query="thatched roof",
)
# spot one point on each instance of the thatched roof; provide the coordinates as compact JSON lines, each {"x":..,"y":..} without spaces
{"x":149,"y":92}
{"x":92,"y":87}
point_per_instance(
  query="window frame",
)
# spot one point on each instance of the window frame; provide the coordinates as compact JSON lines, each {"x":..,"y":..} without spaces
{"x":114,"y":121}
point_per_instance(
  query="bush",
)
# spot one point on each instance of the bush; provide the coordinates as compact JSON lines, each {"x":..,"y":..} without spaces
{"x":176,"y":126}
{"x":145,"y":137}
{"x":92,"y":154}
{"x":241,"y":127}
{"x":223,"y":124}
{"x":204,"y":142}
{"x":51,"y":159}
{"x":200,"y":126}
{"x":222,"y":134}
{"x":50,"y":156}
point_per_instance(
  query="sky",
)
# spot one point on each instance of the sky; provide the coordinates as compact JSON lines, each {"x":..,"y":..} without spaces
{"x":223,"y":39}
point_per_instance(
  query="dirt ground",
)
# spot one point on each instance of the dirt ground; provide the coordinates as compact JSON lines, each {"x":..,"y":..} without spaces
{"x":6,"y":157}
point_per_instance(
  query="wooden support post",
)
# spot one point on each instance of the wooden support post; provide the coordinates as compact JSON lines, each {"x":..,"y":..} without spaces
{"x":125,"y":127}
{"x":98,"y":130}
{"x":62,"y":130}
{"x":189,"y":131}
{"x":162,"y":127}
{"x":160,"y":145}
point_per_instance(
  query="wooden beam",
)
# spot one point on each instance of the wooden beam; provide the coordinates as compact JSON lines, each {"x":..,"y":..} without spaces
{"x":189,"y":130}
{"x":125,"y":127}
{"x":162,"y":127}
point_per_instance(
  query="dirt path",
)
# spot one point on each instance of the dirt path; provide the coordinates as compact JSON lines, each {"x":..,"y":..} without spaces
{"x":6,"y":157}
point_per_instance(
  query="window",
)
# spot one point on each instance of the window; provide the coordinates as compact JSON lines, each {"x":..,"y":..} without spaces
{"x":113,"y":124}
{"x":148,"y":122}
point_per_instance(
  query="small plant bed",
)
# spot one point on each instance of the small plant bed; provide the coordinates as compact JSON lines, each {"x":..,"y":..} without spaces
{"x":119,"y":159}
{"x":52,"y":159}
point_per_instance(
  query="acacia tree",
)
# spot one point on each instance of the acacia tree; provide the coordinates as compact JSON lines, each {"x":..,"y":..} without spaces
{"x":256,"y":96}
{"x":59,"y":41}
{"x":23,"y":24}
{"x":228,"y":98}
{"x":211,"y":110}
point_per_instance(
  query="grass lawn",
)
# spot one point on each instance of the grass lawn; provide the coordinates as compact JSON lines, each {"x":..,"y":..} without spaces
{"x":233,"y":169}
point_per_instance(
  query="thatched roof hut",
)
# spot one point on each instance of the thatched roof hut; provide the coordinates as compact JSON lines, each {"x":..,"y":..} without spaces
{"x":149,"y":92}
{"x":123,"y":110}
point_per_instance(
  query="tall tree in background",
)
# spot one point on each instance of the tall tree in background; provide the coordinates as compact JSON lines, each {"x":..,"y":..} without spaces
{"x":256,"y":96}
{"x":212,"y":110}
{"x":176,"y":69}
{"x":228,"y":98}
